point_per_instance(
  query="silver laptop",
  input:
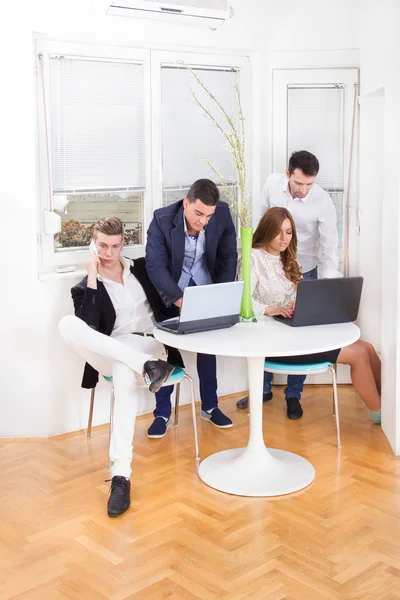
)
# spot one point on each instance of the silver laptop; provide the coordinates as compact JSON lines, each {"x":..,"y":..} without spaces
{"x":207,"y":307}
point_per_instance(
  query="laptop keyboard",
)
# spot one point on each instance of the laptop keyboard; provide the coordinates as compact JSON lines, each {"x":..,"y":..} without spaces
{"x":174,"y":325}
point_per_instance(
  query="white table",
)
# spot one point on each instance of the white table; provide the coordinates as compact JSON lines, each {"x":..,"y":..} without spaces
{"x":257,"y":470}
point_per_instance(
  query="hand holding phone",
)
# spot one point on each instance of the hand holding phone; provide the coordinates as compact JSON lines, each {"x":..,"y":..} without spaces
{"x":92,"y":264}
{"x":93,"y":249}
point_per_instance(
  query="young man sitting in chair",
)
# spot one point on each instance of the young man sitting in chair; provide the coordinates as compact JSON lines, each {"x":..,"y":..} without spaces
{"x":116,"y":306}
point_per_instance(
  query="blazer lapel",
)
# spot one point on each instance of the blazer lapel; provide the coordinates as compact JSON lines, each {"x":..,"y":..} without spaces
{"x":177,"y":245}
{"x":211,"y":243}
{"x":108,"y":310}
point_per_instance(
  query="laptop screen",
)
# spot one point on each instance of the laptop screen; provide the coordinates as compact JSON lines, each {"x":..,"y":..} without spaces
{"x":211,"y":301}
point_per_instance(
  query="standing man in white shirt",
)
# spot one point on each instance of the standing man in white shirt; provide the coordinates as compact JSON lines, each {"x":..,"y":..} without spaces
{"x":314,"y":215}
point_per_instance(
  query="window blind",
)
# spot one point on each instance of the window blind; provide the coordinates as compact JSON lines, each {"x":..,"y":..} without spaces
{"x":316,"y":123}
{"x":97,"y":125}
{"x":187,"y":132}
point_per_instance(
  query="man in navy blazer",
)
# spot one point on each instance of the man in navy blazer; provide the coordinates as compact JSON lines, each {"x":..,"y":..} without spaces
{"x":191,"y":242}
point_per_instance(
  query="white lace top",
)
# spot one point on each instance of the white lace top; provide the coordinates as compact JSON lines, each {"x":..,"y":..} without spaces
{"x":269,"y":284}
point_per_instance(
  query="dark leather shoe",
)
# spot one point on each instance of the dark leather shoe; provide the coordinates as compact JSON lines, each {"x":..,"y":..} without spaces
{"x":244,"y":402}
{"x":158,"y":372}
{"x":294,"y":410}
{"x":120,"y":496}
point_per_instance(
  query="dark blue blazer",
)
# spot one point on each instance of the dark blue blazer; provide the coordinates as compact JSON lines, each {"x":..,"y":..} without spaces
{"x":165,"y":249}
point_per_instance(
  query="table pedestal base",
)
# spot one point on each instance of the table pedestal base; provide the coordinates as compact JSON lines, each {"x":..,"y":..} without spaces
{"x":243,"y":472}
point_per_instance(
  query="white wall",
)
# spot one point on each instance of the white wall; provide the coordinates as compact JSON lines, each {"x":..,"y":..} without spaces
{"x":380,"y":196}
{"x":314,"y":25}
{"x":41,"y":392}
{"x":25,"y":363}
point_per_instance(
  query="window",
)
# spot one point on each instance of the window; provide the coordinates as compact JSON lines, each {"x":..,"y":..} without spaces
{"x":314,"y":110}
{"x":119,"y":135}
{"x":182,"y":133}
{"x":191,"y":142}
{"x":97,"y":141}
{"x":316,"y":123}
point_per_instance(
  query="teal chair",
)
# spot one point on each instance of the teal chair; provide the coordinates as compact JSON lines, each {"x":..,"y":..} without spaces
{"x":175,"y":379}
{"x":310,"y":369}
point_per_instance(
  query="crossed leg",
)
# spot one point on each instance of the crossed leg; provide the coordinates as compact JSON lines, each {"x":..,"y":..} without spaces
{"x":122,"y":358}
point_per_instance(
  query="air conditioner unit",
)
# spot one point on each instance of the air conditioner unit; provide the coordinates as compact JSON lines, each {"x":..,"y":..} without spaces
{"x":204,"y":13}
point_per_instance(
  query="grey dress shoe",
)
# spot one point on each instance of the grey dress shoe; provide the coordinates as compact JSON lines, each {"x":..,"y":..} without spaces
{"x":157,"y":371}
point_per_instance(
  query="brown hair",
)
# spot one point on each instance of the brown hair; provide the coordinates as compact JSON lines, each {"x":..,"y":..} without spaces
{"x":268,"y":228}
{"x":109,"y":226}
{"x":204,"y":190}
{"x":305,"y":161}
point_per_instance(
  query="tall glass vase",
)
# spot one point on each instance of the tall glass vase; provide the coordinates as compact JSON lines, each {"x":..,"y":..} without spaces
{"x":246,"y":310}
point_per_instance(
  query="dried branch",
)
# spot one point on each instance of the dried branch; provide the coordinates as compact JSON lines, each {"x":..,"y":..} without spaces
{"x":235,"y":137}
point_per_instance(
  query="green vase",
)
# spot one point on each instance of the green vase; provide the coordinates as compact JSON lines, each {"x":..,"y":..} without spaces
{"x":246,"y":310}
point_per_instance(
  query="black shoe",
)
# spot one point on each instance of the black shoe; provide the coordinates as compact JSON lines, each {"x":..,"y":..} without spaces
{"x":158,"y":428}
{"x":244,"y":402}
{"x":294,"y":410}
{"x":158,"y":372}
{"x":120,"y":496}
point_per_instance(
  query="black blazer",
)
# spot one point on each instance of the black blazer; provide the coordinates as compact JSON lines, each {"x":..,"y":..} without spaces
{"x":165,"y":249}
{"x":96,"y":309}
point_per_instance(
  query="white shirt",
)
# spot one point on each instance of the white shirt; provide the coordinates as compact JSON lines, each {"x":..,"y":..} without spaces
{"x":269,"y":284}
{"x":315,"y":220}
{"x":132,"y":310}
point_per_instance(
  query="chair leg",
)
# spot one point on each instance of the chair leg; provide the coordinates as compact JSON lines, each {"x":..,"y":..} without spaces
{"x":196,"y":441}
{"x":336,"y":405}
{"x":89,"y":425}
{"x":112,"y":398}
{"x":177,"y":398}
{"x":333,"y":393}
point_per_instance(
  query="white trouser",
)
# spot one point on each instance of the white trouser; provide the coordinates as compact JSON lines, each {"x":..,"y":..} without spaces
{"x":122,"y":358}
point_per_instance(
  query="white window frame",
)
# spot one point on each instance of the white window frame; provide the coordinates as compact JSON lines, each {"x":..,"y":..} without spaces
{"x":165,"y":58}
{"x":48,"y":258}
{"x":348,"y":77}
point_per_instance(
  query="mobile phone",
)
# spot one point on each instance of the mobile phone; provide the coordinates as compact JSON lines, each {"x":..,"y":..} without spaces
{"x":93,"y":249}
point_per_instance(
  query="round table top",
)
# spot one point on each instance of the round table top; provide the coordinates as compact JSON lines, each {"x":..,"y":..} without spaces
{"x":267,"y":337}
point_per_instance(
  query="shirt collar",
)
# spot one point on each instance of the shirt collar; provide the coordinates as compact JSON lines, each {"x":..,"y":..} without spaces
{"x":286,"y":189}
{"x":201,"y":232}
{"x":126,"y":263}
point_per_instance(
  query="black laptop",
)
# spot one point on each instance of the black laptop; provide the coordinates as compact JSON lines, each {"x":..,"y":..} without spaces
{"x":326,"y":301}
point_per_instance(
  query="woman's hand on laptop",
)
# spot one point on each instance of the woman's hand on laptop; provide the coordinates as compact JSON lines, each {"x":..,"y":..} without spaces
{"x":283,"y":311}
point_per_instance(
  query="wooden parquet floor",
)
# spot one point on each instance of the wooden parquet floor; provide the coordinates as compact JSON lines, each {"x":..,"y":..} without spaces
{"x":337,"y":539}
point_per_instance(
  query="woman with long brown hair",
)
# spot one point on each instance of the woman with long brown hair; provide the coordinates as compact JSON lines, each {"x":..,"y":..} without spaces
{"x":275,"y":274}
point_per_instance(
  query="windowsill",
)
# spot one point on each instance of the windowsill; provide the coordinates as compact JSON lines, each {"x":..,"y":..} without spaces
{"x":80,"y":273}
